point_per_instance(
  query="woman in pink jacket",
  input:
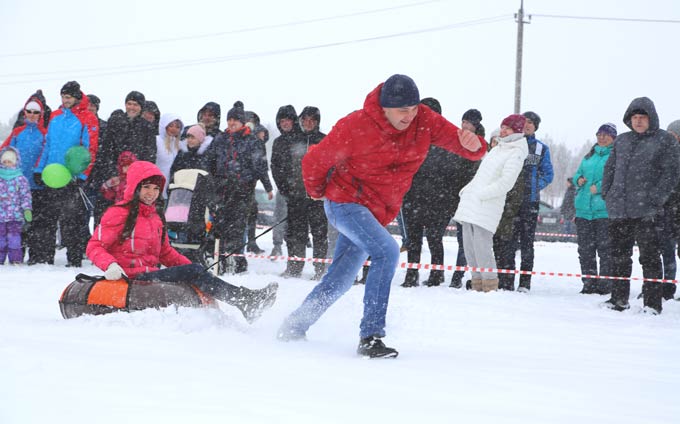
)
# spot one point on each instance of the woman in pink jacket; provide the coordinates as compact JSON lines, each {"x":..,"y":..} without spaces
{"x":132,"y":242}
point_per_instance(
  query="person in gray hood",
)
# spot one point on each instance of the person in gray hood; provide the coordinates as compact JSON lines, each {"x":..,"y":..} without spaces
{"x":640,"y":174}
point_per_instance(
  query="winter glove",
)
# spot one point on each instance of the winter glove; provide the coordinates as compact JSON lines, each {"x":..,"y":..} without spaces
{"x":114,"y":272}
{"x":28,"y":215}
{"x":469,"y":140}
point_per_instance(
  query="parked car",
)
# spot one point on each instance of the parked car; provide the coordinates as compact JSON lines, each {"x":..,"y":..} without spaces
{"x":549,"y":222}
{"x":265,"y":207}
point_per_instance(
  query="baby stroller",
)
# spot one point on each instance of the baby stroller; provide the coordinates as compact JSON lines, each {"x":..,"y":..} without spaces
{"x":188,"y":218}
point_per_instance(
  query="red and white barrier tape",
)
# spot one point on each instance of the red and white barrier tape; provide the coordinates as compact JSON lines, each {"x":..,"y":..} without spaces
{"x":407,"y":265}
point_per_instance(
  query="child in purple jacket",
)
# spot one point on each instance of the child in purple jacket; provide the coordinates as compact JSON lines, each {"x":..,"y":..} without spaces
{"x":15,"y":205}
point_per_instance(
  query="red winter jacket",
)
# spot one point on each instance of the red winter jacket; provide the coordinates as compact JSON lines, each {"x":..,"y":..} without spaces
{"x":365,"y":160}
{"x":143,"y":251}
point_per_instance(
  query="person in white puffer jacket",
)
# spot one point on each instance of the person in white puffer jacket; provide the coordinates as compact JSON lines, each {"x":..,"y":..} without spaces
{"x":483,"y":199}
{"x":168,"y":144}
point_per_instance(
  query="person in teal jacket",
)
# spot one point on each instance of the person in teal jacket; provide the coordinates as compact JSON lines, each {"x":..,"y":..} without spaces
{"x":592,"y":221}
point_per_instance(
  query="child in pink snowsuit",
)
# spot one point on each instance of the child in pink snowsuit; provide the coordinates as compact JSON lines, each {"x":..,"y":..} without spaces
{"x":15,"y":205}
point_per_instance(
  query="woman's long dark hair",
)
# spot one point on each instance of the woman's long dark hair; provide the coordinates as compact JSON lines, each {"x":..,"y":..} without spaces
{"x":131,"y":220}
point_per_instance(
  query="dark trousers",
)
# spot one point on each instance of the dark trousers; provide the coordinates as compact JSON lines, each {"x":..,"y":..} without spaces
{"x":593,"y":241}
{"x":504,"y":251}
{"x":424,"y":218}
{"x":306,"y":215}
{"x":66,"y":207}
{"x":230,"y":220}
{"x":194,"y":274}
{"x":251,"y":220}
{"x":460,"y":257}
{"x":524,"y":230}
{"x":623,"y":234}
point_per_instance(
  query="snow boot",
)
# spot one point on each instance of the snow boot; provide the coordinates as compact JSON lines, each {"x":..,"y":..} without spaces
{"x":373,"y":347}
{"x":411,"y":279}
{"x":506,"y":282}
{"x":615,"y":305}
{"x":668,"y":290}
{"x":457,"y":280}
{"x":252,"y":303}
{"x":254,"y":248}
{"x":524,"y":283}
{"x":476,"y":284}
{"x":490,"y":285}
{"x":652,"y":295}
{"x":276,"y":251}
{"x":435,"y":279}
{"x":589,"y":287}
{"x":319,"y":271}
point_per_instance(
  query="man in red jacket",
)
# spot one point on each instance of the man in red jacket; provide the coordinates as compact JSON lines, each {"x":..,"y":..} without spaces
{"x":361,"y":170}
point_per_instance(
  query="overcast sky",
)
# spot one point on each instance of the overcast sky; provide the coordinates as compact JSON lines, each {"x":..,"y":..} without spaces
{"x":577,"y":74}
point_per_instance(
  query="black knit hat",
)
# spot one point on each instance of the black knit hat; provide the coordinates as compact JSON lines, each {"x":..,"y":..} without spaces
{"x":94,"y":100}
{"x":136,"y":97}
{"x":533,"y":117}
{"x":473,"y":116}
{"x":433,"y":104}
{"x":237,"y":112}
{"x":399,"y":91}
{"x":72,"y":88}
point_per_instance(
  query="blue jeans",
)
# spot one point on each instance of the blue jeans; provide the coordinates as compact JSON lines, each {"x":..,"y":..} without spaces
{"x":361,"y":235}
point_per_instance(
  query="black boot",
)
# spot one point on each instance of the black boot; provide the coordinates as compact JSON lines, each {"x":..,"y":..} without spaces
{"x":506,"y":282}
{"x":589,"y":287}
{"x":240,"y":264}
{"x":524,"y":283}
{"x":364,"y":274}
{"x":436,"y":278}
{"x":373,"y":347}
{"x":319,"y":271}
{"x":620,"y":296}
{"x":411,"y":279}
{"x":252,"y":303}
{"x":457,"y":280}
{"x":254,"y":248}
{"x":668,"y":290}
{"x":652,"y":295}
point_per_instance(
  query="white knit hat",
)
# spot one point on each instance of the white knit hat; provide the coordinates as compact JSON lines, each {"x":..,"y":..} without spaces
{"x":33,"y":105}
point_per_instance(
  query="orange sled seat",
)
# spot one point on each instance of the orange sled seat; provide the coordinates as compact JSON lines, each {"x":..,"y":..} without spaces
{"x":89,"y":295}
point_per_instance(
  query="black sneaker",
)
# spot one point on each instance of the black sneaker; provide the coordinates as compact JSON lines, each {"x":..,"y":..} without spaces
{"x":373,"y":347}
{"x":616,"y":306}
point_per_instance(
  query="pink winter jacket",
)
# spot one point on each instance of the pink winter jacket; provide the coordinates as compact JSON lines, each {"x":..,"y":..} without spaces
{"x":143,"y":251}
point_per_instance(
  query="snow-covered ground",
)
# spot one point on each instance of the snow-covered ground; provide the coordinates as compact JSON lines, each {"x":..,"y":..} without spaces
{"x":549,"y":356}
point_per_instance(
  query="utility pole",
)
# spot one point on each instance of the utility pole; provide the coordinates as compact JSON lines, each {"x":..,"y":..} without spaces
{"x":519,"y":18}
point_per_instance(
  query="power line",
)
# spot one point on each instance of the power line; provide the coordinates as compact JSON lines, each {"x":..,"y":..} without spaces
{"x":125,"y":69}
{"x":220,"y":34}
{"x":596,"y":18}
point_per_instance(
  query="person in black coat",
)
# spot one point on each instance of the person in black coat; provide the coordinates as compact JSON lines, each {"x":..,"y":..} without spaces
{"x":236,"y":161}
{"x":432,"y":201}
{"x":639,"y":176}
{"x":124,"y":131}
{"x":303,"y":212}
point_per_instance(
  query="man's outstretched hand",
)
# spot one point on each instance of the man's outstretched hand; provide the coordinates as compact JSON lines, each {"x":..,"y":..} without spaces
{"x":469,"y":140}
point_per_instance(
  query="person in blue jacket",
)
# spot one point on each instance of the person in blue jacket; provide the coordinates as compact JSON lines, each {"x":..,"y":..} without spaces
{"x":29,"y":139}
{"x":538,"y":172}
{"x":71,"y":125}
{"x":592,"y":220}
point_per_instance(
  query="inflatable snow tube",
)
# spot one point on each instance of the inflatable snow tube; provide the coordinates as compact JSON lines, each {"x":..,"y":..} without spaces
{"x":89,"y":295}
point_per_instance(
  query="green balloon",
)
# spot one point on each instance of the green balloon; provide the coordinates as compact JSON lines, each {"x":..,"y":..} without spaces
{"x":77,"y":159}
{"x":56,"y":175}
